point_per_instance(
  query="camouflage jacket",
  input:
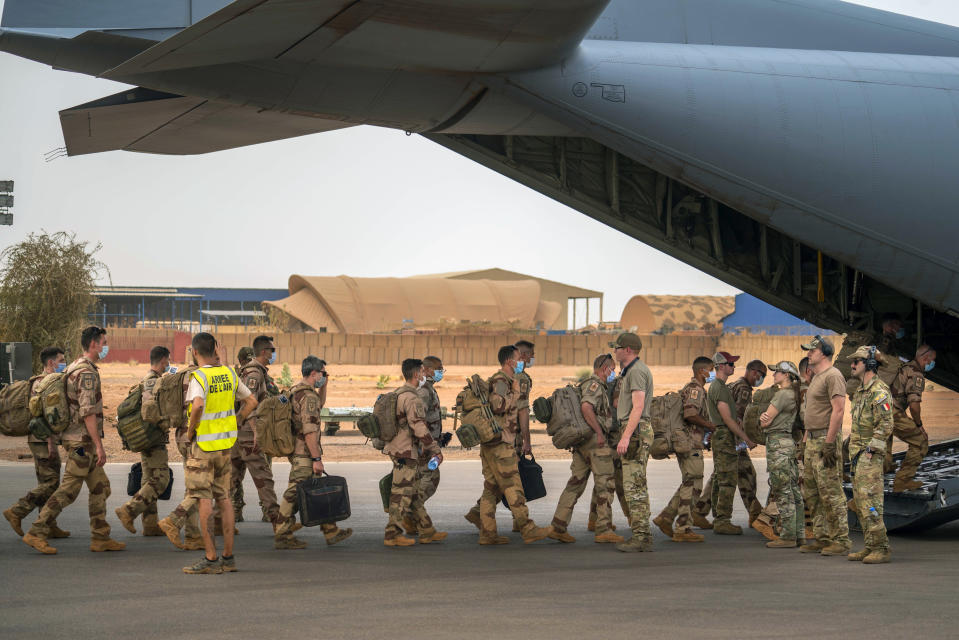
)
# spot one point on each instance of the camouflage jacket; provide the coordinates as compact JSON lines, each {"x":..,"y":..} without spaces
{"x":693,"y":396}
{"x":413,"y":439}
{"x":84,"y":397}
{"x":743,"y":395}
{"x":504,"y":395}
{"x":149,"y":384}
{"x":434,"y":415}
{"x":908,"y":385}
{"x":525,"y":385}
{"x":257,"y":379}
{"x":593,"y":390}
{"x":871,"y":417}
{"x":306,"y":417}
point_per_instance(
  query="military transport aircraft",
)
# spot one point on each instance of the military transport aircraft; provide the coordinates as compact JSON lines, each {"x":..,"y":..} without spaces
{"x":805,"y":151}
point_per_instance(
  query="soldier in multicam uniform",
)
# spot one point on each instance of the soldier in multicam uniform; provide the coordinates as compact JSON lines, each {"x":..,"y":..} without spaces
{"x":907,"y":388}
{"x":46,"y":461}
{"x":614,"y":434}
{"x":243,"y":357}
{"x":742,"y":391}
{"x":593,"y":455}
{"x":154,"y":463}
{"x":872,"y":423}
{"x":405,"y":496}
{"x":691,"y":466}
{"x":82,"y":442}
{"x":246,"y":454}
{"x":307,"y":397}
{"x":632,"y":412}
{"x":781,"y":464}
{"x":429,"y":479}
{"x":822,"y":474}
{"x":500,"y":462}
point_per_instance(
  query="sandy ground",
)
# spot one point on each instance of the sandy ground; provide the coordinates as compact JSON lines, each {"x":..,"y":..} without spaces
{"x":356,"y":385}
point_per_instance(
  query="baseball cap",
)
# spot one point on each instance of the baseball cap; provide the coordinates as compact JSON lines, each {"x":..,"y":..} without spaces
{"x":862,"y":353}
{"x":819,"y":343}
{"x":784,"y":367}
{"x":724,"y":357}
{"x":630,"y":340}
{"x":246,"y":353}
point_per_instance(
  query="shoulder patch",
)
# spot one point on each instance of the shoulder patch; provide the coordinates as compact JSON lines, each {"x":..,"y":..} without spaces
{"x":88,"y":381}
{"x":311,"y":403}
{"x":593,"y":387}
{"x":693,"y":394}
{"x":920,"y":383}
{"x":251,"y":383}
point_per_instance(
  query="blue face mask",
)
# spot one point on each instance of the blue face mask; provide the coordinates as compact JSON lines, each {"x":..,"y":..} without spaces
{"x":437,"y":376}
{"x":929,"y":367}
{"x":711,"y":376}
{"x":104,"y":351}
{"x":60,"y":368}
{"x":760,"y":381}
{"x":319,"y":383}
{"x":519,"y":367}
{"x":900,"y":334}
{"x":272,"y":357}
{"x":611,"y":378}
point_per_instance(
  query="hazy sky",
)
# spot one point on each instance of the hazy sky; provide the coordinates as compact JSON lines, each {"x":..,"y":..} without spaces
{"x":361,"y":202}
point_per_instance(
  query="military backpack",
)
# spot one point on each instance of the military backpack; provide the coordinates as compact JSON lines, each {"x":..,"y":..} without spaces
{"x":48,"y":404}
{"x":15,"y":407}
{"x":273,"y":424}
{"x":383,"y":424}
{"x":166,"y":407}
{"x":478,"y":425}
{"x":565,"y":422}
{"x":756,"y":408}
{"x":669,"y":428}
{"x":136,"y":434}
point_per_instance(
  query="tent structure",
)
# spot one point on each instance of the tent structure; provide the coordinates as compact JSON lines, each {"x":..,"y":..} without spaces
{"x":341,"y":304}
{"x":645,"y":314}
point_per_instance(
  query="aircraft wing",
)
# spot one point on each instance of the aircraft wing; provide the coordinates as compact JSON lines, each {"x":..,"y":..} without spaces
{"x":155,"y":122}
{"x":450,"y":35}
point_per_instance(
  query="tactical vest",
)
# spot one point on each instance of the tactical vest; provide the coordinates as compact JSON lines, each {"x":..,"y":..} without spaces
{"x":217,"y":430}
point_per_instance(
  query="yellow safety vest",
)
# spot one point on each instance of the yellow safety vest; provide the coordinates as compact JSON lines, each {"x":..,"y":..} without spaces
{"x":217,"y":429}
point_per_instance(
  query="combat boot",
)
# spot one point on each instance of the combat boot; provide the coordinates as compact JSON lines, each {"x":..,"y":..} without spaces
{"x":700,"y":522}
{"x":337,"y":536}
{"x":835,"y":549}
{"x":688,"y":536}
{"x":898,"y":486}
{"x":172,"y":532}
{"x":409,"y":526}
{"x":665,"y":525}
{"x":14,"y":521}
{"x":107,"y":545}
{"x":265,"y":517}
{"x":57,"y":532}
{"x":724,"y":528}
{"x":288,"y":542}
{"x":436,"y":536}
{"x":609,"y":538}
{"x":591,"y":523}
{"x":399,"y":541}
{"x":516,"y":528}
{"x":193,"y":544}
{"x":877,"y":556}
{"x":636,"y":544}
{"x":859,"y":555}
{"x":125,"y":519}
{"x":474,"y":519}
{"x":296,"y":526}
{"x":535,"y":533}
{"x":562,"y":536}
{"x":781,"y":544}
{"x":150,"y":531}
{"x":763,"y":527}
{"x":39,"y":544}
{"x":812,"y":547}
{"x":493,"y":539}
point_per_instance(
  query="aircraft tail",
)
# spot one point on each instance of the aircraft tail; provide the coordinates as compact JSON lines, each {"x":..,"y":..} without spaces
{"x":60,"y":15}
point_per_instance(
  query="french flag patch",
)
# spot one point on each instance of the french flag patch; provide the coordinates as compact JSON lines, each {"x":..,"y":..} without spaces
{"x":885,"y":406}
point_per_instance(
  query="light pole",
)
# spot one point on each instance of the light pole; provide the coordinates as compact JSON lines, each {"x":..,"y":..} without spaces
{"x":6,"y":202}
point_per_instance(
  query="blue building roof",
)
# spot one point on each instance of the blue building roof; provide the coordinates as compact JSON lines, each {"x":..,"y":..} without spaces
{"x":216,"y":294}
{"x":756,"y":316}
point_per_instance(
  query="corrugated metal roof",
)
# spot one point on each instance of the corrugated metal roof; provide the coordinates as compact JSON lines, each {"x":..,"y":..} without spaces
{"x":491,"y":274}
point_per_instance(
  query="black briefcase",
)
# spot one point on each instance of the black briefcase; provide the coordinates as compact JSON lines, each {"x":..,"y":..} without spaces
{"x":323,"y":500}
{"x":135,"y":479}
{"x":531,"y":475}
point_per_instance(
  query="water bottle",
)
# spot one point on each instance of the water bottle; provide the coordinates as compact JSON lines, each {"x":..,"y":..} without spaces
{"x":873,"y":512}
{"x":706,"y":439}
{"x":741,"y":446}
{"x":433,"y":463}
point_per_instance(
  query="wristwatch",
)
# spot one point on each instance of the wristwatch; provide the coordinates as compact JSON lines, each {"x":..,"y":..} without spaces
{"x":317,"y":459}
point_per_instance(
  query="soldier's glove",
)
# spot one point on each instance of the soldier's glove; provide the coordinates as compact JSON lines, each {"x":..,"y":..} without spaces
{"x":830,"y":458}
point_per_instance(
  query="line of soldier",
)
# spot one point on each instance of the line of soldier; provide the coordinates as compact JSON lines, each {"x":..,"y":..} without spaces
{"x":615,"y":407}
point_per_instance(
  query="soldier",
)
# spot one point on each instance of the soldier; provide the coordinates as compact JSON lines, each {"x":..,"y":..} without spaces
{"x":212,"y":399}
{"x":154,"y":463}
{"x":500,"y":462}
{"x":246,"y":454}
{"x":890,"y":334}
{"x":593,"y":455}
{"x":723,"y":413}
{"x":429,"y":479}
{"x":308,"y":398}
{"x":614,"y":435}
{"x":632,"y":412}
{"x":404,"y":496}
{"x":83,"y":444}
{"x":243,"y":357}
{"x":872,"y":423}
{"x":742,"y":391}
{"x":527,"y":356}
{"x":822,"y":474}
{"x":907,"y":389}
{"x":781,"y":465}
{"x":46,"y":461}
{"x":691,"y":464}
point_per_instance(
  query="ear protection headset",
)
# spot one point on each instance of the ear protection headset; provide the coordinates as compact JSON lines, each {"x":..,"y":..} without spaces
{"x":871,"y":363}
{"x":826,"y":347}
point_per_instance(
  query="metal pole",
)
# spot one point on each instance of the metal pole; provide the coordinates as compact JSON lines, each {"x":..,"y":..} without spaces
{"x":574,"y":315}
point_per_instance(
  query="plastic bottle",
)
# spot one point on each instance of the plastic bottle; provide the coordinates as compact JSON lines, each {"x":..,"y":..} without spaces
{"x":434,"y":463}
{"x":741,"y":446}
{"x":873,"y":512}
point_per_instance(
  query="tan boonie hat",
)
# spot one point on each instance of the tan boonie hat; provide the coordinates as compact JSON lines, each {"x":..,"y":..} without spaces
{"x":784,"y":367}
{"x":862,"y":353}
{"x":724,"y":357}
{"x":630,"y":340}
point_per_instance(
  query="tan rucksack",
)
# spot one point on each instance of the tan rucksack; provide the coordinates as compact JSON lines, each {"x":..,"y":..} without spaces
{"x":136,"y":434}
{"x":15,"y":407}
{"x":48,"y":404}
{"x":382,"y":425}
{"x":478,"y":424}
{"x":566,"y":424}
{"x":669,"y":428}
{"x":166,"y":406}
{"x":273,"y":423}
{"x":756,"y":408}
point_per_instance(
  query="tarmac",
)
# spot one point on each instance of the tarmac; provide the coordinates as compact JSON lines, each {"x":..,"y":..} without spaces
{"x":728,"y":587}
